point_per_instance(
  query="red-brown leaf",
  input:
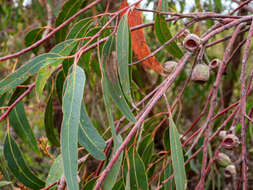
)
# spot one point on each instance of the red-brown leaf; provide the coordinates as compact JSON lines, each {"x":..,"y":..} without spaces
{"x":139,"y":43}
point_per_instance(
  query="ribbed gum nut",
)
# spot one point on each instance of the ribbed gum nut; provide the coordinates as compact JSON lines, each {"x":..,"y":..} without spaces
{"x":200,"y":73}
{"x":223,"y":160}
{"x":214,"y":64}
{"x":230,"y":171}
{"x":222,"y":134}
{"x":169,"y":66}
{"x":191,"y":42}
{"x":230,"y":141}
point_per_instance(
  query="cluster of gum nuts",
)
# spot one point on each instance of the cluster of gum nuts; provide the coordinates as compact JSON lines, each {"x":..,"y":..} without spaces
{"x":201,"y":71}
{"x":201,"y":74}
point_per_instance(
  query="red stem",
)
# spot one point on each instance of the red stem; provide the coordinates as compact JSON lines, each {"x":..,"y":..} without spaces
{"x":243,"y":106}
{"x":5,"y":114}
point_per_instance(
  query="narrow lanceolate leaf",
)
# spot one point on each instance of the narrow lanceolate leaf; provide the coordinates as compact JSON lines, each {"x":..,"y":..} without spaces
{"x":110,"y":81}
{"x":49,"y":123}
{"x":34,"y":36}
{"x":27,"y":70}
{"x":163,"y":34}
{"x":17,"y":165}
{"x":68,"y":9}
{"x":111,"y":177}
{"x":138,"y":178}
{"x":71,"y":107}
{"x":60,"y":78}
{"x":56,"y":171}
{"x":163,"y":5}
{"x":42,"y":77}
{"x":89,"y":137}
{"x":123,"y":49}
{"x":79,"y":29}
{"x":177,"y":157}
{"x":63,"y":49}
{"x":139,"y":44}
{"x":21,"y":126}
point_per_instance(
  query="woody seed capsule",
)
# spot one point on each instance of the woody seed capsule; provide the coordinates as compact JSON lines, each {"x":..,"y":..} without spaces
{"x":223,"y":160}
{"x":200,"y":73}
{"x":214,"y":64}
{"x":230,"y":141}
{"x":169,"y":66}
{"x":191,"y":42}
{"x":230,"y":171}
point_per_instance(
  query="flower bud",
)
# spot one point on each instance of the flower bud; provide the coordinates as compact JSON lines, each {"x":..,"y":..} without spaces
{"x":169,"y":66}
{"x":200,"y":73}
{"x":230,"y":141}
{"x":191,"y":42}
{"x":214,"y":64}
{"x":230,"y":171}
{"x":223,"y":160}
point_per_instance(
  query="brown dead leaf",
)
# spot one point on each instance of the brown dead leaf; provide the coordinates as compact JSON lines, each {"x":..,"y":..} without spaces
{"x":139,"y":44}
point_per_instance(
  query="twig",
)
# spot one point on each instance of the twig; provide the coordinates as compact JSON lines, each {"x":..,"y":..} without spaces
{"x":5,"y":114}
{"x":243,"y":107}
{"x":245,"y":6}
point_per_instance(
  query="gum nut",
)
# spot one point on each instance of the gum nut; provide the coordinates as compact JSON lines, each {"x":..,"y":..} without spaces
{"x":230,"y":141}
{"x":191,"y":42}
{"x":200,"y":73}
{"x":223,"y":160}
{"x":169,"y":66}
{"x":230,"y":171}
{"x":214,"y":64}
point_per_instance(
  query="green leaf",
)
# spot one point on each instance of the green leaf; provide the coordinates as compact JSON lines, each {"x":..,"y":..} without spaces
{"x":123,"y":49}
{"x":42,"y":77}
{"x":147,"y":155}
{"x":177,"y":157}
{"x":111,"y":177}
{"x":49,"y":123}
{"x":218,"y":5}
{"x":163,"y":34}
{"x":119,"y":185}
{"x":21,"y":126}
{"x":4,"y":183}
{"x":56,"y":171}
{"x":63,"y":49}
{"x":27,"y":70}
{"x":89,"y":137}
{"x":79,"y":29}
{"x":166,"y":139}
{"x":110,"y":80}
{"x":144,"y":143}
{"x":69,"y":8}
{"x":17,"y":165}
{"x":166,"y":174}
{"x":60,"y":78}
{"x":164,"y":6}
{"x":90,"y":184}
{"x":138,"y":178}
{"x":32,"y":37}
{"x":71,"y":107}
